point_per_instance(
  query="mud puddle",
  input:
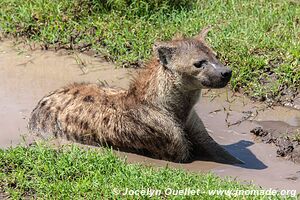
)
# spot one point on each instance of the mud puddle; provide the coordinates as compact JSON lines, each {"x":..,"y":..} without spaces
{"x":26,"y":76}
{"x":230,"y":118}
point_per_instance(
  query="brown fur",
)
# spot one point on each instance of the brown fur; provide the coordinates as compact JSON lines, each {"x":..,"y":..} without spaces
{"x":154,"y":116}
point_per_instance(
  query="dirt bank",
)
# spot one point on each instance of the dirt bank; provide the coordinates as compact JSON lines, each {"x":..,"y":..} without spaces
{"x":284,"y":136}
{"x":26,"y":76}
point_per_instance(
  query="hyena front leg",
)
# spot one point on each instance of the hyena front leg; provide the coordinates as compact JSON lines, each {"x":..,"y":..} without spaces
{"x":203,"y":144}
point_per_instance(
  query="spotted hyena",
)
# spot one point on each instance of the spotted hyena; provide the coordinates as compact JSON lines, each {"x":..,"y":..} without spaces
{"x":155,"y":116}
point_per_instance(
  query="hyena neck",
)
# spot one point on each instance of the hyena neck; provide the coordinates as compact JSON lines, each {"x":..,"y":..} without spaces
{"x":163,"y":88}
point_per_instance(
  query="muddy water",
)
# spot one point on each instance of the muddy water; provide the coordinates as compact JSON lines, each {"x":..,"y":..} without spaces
{"x":219,"y":109}
{"x":26,"y":76}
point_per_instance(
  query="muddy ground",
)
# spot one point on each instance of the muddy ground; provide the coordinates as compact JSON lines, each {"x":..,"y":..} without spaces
{"x":285,"y":137}
{"x":26,"y":76}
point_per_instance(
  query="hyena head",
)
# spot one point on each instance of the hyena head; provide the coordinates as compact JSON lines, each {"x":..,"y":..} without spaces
{"x":195,"y":60}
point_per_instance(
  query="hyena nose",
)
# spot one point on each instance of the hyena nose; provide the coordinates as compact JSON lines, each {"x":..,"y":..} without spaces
{"x":226,"y":74}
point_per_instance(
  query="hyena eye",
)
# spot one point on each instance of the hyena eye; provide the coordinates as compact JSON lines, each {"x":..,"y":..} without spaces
{"x":200,"y":64}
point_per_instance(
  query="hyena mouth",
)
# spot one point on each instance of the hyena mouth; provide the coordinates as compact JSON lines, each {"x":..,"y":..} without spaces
{"x":216,"y":82}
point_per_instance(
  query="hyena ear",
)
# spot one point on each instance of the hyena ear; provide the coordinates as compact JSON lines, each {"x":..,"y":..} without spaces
{"x":164,"y":52}
{"x":202,"y":35}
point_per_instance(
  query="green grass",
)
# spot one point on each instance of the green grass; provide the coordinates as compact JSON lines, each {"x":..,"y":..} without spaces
{"x":259,"y":39}
{"x":75,"y":173}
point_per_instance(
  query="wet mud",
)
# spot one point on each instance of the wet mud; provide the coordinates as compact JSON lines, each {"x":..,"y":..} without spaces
{"x":26,"y":76}
{"x":284,"y":136}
